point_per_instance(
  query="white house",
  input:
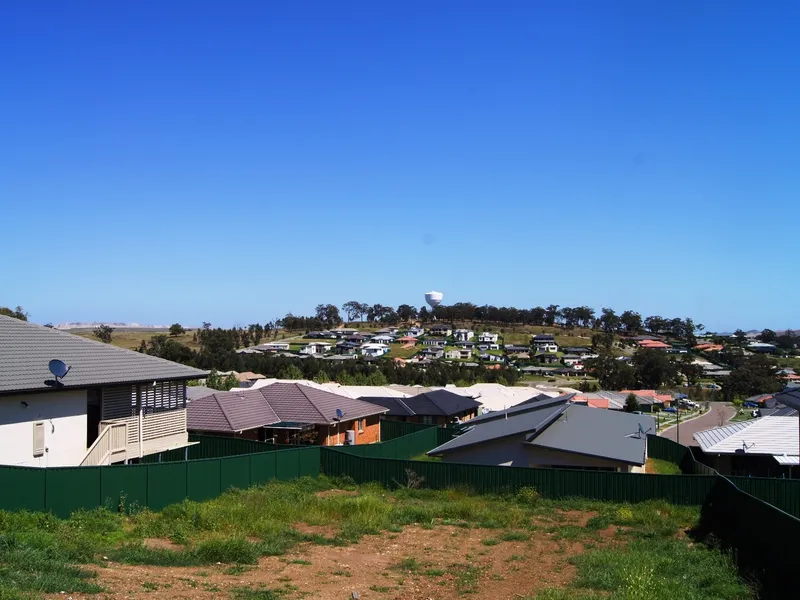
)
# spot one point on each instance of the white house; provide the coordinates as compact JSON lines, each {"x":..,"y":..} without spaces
{"x":572,"y":360}
{"x":111,"y":406}
{"x":435,"y":342}
{"x":374,"y":350}
{"x":315,"y":348}
{"x":382,"y":339}
{"x":443,"y":330}
{"x":272,"y":346}
{"x":415,"y":331}
{"x":544,"y":343}
{"x":488,"y":338}
{"x":463,"y":335}
{"x":458,"y":354}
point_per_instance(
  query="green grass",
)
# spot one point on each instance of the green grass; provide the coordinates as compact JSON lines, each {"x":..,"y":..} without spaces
{"x":39,"y":553}
{"x":662,"y":467}
{"x":425,"y":458}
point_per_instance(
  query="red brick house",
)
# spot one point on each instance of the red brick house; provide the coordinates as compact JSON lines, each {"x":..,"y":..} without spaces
{"x":286,"y":413}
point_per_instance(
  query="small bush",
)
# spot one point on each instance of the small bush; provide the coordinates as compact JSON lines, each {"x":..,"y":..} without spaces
{"x":527,"y":495}
{"x":227,"y":550}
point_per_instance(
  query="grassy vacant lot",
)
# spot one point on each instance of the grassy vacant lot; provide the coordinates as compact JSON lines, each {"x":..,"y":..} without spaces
{"x":325,"y":538}
{"x":132,"y":338}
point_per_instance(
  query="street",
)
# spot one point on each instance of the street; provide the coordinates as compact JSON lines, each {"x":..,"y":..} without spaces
{"x":718,"y":415}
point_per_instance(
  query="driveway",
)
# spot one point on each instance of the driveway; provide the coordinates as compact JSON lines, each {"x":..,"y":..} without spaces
{"x":719,"y":411}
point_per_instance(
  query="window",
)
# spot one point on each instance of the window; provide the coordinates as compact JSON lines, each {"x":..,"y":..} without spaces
{"x":38,"y":439}
{"x":427,"y":420}
{"x":361,"y":424}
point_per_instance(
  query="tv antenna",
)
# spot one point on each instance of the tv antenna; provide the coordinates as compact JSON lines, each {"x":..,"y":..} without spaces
{"x":745,"y":447}
{"x":59,"y":369}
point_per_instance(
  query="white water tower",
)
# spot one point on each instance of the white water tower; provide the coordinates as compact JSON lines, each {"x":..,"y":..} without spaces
{"x":434,"y":299}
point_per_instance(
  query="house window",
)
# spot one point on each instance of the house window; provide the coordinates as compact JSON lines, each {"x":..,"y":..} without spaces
{"x":38,"y":439}
{"x":361,"y":424}
{"x":427,"y":420}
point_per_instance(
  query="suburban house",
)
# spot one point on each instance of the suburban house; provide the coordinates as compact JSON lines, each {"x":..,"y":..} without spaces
{"x":553,"y":433}
{"x":384,"y":338}
{"x":415,"y":331}
{"x":441,"y":330}
{"x":432,"y":353}
{"x":287,"y":413}
{"x":463,"y":335}
{"x":459,"y":354}
{"x":407,"y":340}
{"x":762,"y":348}
{"x":544,"y":343}
{"x":388,"y":331}
{"x":487,"y":346}
{"x":647,"y":399}
{"x":315,"y":348}
{"x":343,"y":332}
{"x":374,"y":350}
{"x":435,"y":342}
{"x":435,"y":407}
{"x":112,"y":405}
{"x":346,"y":348}
{"x":488,"y":338}
{"x":547,"y":358}
{"x":654,"y":345}
{"x":492,"y":357}
{"x":579,"y":350}
{"x":512,"y":349}
{"x":571,"y":360}
{"x":272,"y":347}
{"x":762,"y":447}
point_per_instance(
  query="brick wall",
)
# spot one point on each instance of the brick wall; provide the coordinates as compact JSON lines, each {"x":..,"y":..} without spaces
{"x":371,"y":432}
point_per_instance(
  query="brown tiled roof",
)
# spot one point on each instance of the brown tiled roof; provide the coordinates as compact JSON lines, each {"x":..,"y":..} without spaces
{"x":247,"y":409}
{"x":304,"y":404}
{"x":230,"y":411}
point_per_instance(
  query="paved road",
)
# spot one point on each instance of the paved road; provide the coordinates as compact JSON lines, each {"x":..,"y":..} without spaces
{"x":707,"y":421}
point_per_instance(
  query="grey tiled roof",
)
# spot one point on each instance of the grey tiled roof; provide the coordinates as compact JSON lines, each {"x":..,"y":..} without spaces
{"x":560,"y":425}
{"x":26,"y":349}
{"x":238,"y":410}
{"x":433,"y":403}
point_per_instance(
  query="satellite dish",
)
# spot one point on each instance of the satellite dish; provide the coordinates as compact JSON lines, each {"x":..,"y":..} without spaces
{"x":434,"y":299}
{"x":58,"y":368}
{"x":339,"y":414}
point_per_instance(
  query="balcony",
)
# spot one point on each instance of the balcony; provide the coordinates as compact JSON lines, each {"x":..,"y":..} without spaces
{"x":137,"y":436}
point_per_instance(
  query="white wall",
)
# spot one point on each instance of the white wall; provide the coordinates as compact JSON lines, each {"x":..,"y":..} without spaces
{"x":64,"y":417}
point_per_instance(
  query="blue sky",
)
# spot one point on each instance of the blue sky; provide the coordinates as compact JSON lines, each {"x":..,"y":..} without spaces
{"x":233,"y":161}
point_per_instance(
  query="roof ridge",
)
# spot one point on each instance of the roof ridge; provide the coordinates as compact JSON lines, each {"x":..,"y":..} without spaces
{"x":314,"y":404}
{"x":407,"y":407}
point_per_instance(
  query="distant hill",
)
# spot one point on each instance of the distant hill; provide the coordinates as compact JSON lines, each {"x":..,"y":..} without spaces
{"x":114,"y":325}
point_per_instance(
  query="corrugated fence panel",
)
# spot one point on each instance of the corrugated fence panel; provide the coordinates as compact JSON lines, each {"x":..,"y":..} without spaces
{"x":166,"y":484}
{"x":71,"y":488}
{"x":395,"y":429}
{"x":123,"y":487}
{"x":22,"y":488}
{"x":551,"y":483}
{"x":235,"y":473}
{"x":203,"y":479}
{"x":262,"y":467}
{"x":665,"y":449}
{"x":782,"y":493}
{"x":287,"y":464}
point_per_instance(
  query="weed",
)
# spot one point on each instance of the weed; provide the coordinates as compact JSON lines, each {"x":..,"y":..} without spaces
{"x":466,"y":577}
{"x":514,"y":557}
{"x":381,"y":589}
{"x":434,"y":572}
{"x":237,"y":570}
{"x":150,"y":586}
{"x":515,"y":536}
{"x":256,"y":594}
{"x":409,"y":565}
{"x":342,"y":573}
{"x":490,"y":541}
{"x":299,"y":561}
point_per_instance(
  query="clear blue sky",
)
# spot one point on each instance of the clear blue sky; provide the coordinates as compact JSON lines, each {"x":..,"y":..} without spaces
{"x":232,"y":161}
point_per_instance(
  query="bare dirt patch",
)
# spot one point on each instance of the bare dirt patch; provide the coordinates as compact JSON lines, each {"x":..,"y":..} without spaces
{"x":161,"y":544}
{"x":443,"y":563}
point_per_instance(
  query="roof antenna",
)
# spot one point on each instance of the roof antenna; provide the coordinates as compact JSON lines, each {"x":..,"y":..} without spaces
{"x":59,"y":369}
{"x":745,"y":447}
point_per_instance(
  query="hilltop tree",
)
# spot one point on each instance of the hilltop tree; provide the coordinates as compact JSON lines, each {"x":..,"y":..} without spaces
{"x":767,"y":336}
{"x":424,"y":315}
{"x":176,"y":329}
{"x":328,"y":314}
{"x":17,"y":313}
{"x":631,"y":321}
{"x":256,"y":331}
{"x":551,"y":314}
{"x":406,"y":312}
{"x":355,"y":310}
{"x":103,"y":333}
{"x":609,"y":321}
{"x":740,"y":337}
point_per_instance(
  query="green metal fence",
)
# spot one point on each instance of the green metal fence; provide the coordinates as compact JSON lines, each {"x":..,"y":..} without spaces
{"x":395,"y":429}
{"x":550,"y":483}
{"x":63,"y":490}
{"x":210,"y":446}
{"x":406,"y":446}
